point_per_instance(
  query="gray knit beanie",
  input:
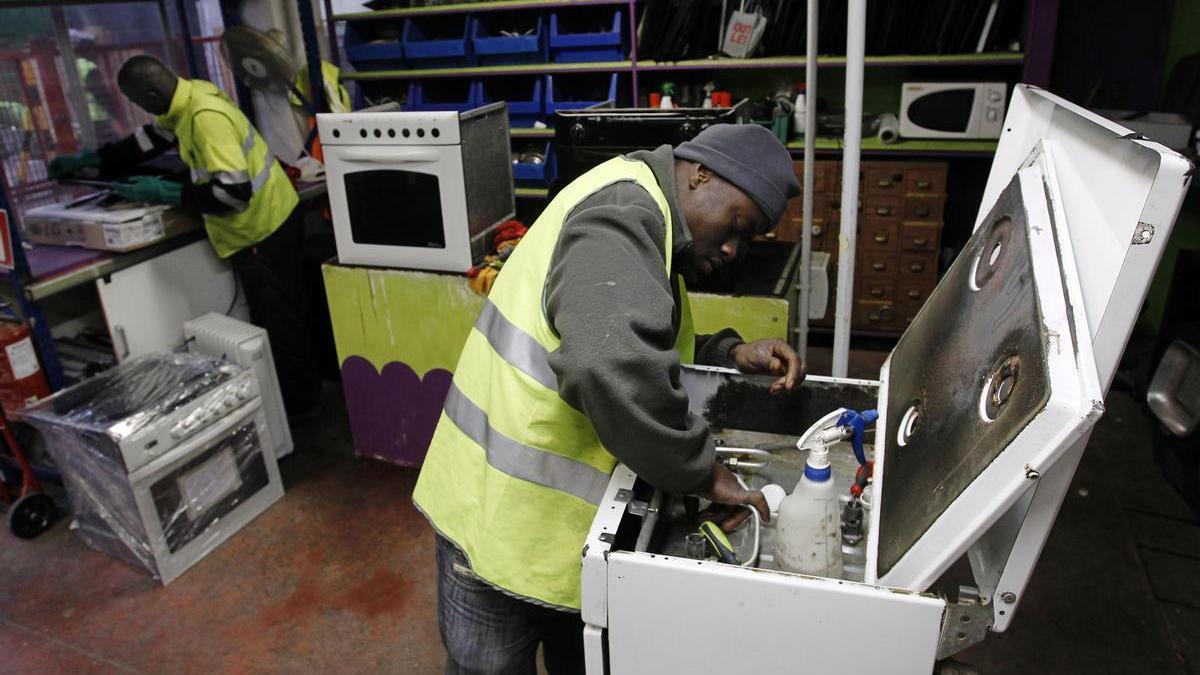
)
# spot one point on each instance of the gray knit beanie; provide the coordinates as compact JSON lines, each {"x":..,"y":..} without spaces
{"x":752,"y":159}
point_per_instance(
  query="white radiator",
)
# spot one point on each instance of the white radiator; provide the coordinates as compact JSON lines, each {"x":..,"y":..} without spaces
{"x":246,"y":345}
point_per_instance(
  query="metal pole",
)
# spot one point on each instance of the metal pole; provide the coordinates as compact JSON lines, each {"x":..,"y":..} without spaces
{"x":810,"y":154}
{"x":331,"y":28}
{"x":75,"y":96}
{"x":165,"y":20}
{"x":633,"y":56}
{"x":856,"y":28}
{"x":185,"y":32}
{"x":312,"y":52}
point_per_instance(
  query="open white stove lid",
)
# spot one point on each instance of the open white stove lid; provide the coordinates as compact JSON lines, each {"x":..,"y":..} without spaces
{"x":997,"y":376}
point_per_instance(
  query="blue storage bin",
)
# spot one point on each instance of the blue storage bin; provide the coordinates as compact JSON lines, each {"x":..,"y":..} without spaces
{"x":438,"y":42}
{"x":569,"y":47}
{"x":526,"y":102}
{"x":447,"y":94}
{"x":368,"y":47}
{"x":579,"y":91}
{"x":537,"y":175}
{"x":493,"y":49}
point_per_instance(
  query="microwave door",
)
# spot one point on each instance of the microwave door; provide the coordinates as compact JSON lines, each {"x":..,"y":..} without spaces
{"x":401,"y":207}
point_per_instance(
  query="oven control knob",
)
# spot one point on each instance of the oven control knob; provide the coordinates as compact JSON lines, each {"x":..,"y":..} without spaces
{"x":243,"y":392}
{"x":177,"y":431}
{"x":230,"y":402}
{"x":578,"y":132}
{"x":687,"y":130}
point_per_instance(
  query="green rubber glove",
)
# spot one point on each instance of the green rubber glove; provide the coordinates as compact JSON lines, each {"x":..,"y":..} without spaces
{"x":65,"y":166}
{"x":150,"y":189}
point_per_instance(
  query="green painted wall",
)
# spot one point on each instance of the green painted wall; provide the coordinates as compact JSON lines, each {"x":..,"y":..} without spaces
{"x":754,"y":318}
{"x":423,"y":319}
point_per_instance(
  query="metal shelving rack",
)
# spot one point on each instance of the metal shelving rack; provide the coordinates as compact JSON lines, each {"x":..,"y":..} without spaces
{"x":634,"y":66}
{"x":1040,"y":24}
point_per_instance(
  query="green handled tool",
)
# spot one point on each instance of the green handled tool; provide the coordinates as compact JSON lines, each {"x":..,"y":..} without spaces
{"x":719,"y":543}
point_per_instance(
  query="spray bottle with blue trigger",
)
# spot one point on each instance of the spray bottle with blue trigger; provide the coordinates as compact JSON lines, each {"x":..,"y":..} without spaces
{"x":809,"y":527}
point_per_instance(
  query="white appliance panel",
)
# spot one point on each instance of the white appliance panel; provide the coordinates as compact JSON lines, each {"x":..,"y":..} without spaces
{"x":440,"y":166}
{"x":146,"y":305}
{"x":676,"y":615}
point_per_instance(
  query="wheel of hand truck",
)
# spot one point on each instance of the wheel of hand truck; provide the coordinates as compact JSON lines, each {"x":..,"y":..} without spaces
{"x":31,"y":515}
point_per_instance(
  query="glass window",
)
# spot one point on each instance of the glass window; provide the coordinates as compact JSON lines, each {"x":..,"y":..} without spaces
{"x":392,"y":207}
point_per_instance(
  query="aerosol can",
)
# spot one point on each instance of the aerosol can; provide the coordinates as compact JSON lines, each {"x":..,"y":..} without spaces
{"x":809,"y":535}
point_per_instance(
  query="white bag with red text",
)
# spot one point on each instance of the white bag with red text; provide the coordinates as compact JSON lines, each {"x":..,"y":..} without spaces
{"x":744,"y":32}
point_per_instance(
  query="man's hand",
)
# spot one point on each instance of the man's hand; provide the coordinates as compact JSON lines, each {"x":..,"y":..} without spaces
{"x":65,"y":166}
{"x":726,"y":490}
{"x":772,"y":357}
{"x":150,"y":189}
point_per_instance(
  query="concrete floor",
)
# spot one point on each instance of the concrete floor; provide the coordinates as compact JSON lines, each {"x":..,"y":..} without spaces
{"x":339,"y":577}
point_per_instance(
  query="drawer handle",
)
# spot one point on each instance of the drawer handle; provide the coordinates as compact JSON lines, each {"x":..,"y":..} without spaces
{"x":877,"y":291}
{"x":885,"y":183}
{"x":915,"y":295}
{"x":921,"y":211}
{"x":878,"y":267}
{"x":917,"y":267}
{"x":770,"y":235}
{"x":919,"y":241}
{"x":924,"y":184}
{"x":816,"y":230}
{"x":881,"y":238}
{"x":883,"y":211}
{"x":873,"y":317}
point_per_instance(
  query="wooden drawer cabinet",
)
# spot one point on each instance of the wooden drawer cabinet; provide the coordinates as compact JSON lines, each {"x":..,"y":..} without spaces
{"x":920,"y":237}
{"x":923,"y":207}
{"x":878,"y":234}
{"x":901,"y":206}
{"x":875,"y":289}
{"x":883,"y":206}
{"x":918,"y":266}
{"x":872,"y":315}
{"x":884,"y":178}
{"x":877,"y":263}
{"x":913,"y":293}
{"x":925,"y":179}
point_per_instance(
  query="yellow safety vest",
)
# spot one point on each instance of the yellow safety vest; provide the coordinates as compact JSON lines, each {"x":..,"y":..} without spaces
{"x":514,"y":475}
{"x":336,"y":95}
{"x":213,"y":153}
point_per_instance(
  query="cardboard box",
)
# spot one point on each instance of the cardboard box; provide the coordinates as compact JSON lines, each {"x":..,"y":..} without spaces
{"x":119,"y":227}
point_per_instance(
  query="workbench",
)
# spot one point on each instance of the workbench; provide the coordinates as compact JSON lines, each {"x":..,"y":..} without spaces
{"x":399,"y":333}
{"x":47,"y":271}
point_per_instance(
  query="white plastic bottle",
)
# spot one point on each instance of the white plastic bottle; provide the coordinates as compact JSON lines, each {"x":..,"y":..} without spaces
{"x":799,"y":112}
{"x":809,"y":535}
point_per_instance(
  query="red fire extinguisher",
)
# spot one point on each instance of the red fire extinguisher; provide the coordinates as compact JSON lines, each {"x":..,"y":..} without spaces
{"x":22,"y":380}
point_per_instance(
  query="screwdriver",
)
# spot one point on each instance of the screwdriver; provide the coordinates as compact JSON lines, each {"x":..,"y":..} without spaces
{"x":719,"y":543}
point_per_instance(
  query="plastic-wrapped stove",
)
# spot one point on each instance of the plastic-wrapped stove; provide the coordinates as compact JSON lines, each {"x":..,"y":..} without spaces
{"x":164,"y":457}
{"x":985,"y":406}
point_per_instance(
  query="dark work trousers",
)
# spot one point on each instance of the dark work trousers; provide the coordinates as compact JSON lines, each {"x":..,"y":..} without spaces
{"x":270,"y":275}
{"x":489,"y":633}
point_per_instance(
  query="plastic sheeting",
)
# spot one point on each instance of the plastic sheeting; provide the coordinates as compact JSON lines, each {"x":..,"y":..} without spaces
{"x":161,"y":517}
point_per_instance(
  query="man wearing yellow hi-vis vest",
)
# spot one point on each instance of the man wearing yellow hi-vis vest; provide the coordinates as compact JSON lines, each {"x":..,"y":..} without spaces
{"x":248,"y":203}
{"x":573,"y":366}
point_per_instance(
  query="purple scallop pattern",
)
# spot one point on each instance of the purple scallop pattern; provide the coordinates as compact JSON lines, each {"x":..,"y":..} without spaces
{"x":393,"y":413}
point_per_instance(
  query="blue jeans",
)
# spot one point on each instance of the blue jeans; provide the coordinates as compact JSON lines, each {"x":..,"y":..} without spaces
{"x":489,"y":633}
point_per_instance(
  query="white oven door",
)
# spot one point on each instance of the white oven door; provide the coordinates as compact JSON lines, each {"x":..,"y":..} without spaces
{"x":197,"y":495}
{"x":399,"y":206}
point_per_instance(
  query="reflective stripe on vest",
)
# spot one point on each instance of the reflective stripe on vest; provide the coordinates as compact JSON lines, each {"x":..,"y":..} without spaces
{"x":200,"y":174}
{"x":514,"y":475}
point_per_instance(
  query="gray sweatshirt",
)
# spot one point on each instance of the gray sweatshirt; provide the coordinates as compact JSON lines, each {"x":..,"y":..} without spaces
{"x":617,"y":315}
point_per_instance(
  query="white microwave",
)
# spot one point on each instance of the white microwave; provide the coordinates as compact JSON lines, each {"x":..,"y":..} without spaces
{"x":952,"y":109}
{"x":420,"y":190}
